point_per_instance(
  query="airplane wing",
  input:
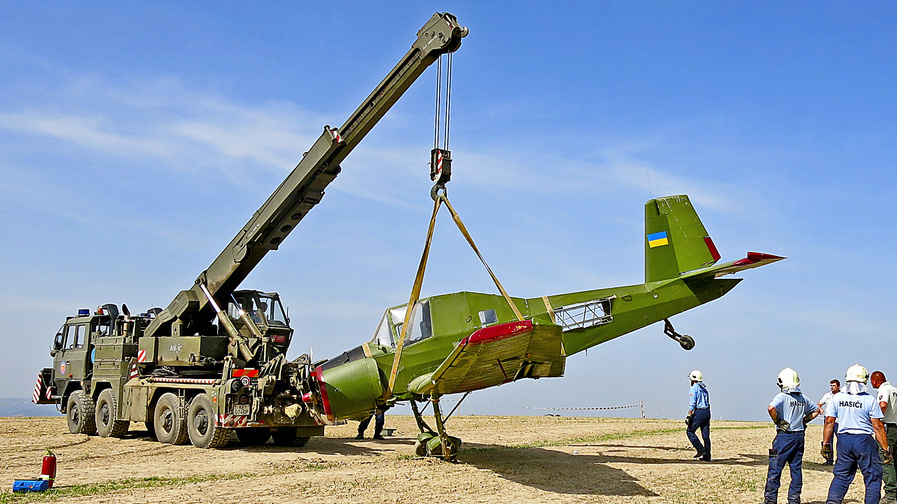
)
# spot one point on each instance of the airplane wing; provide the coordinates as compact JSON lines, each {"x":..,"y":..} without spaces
{"x":494,"y":355}
{"x":753,"y":260}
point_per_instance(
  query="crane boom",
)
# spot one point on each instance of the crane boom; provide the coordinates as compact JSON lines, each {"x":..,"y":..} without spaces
{"x":190,"y":312}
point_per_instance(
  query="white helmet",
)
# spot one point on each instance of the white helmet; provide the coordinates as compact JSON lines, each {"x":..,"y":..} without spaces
{"x":788,"y":378}
{"x":696,"y":375}
{"x":857,"y":373}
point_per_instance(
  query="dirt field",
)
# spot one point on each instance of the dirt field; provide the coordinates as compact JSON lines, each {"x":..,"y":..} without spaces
{"x":504,"y":459}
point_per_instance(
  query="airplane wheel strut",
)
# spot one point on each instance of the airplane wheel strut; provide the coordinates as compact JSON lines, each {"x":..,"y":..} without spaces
{"x":684,"y":340}
{"x":438,"y":443}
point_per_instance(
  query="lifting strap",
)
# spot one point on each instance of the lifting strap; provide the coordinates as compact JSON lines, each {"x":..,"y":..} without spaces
{"x":419,"y":280}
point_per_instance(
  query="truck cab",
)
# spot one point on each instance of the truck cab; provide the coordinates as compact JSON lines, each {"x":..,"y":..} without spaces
{"x":73,"y":350}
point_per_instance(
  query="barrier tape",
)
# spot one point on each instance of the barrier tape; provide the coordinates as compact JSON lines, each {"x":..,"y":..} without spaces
{"x":596,"y":408}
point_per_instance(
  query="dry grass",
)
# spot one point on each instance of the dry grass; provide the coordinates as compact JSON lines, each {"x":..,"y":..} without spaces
{"x":504,"y":459}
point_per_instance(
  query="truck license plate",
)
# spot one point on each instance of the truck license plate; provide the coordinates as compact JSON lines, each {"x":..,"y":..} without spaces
{"x":241,"y":409}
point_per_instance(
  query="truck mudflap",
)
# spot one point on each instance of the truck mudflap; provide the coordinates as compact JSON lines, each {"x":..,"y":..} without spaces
{"x":45,"y":389}
{"x":229,"y":421}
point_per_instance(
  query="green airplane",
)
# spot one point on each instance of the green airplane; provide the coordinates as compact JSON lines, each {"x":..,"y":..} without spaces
{"x":467,"y":341}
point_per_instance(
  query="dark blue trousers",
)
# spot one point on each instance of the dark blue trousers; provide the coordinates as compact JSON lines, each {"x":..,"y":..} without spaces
{"x":701,"y":420}
{"x":787,"y":448}
{"x":856,"y":451}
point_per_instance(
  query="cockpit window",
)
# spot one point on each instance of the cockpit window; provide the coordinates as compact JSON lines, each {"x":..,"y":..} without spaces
{"x":390,"y":329}
{"x":382,"y":336}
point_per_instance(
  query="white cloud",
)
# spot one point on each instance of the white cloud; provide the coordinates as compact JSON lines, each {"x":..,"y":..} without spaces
{"x":167,"y":121}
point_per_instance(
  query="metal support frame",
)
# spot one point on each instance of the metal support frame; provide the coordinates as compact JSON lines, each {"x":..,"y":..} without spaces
{"x":584,"y":315}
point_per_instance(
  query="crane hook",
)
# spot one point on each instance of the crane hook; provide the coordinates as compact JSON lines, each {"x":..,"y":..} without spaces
{"x":438,"y":191}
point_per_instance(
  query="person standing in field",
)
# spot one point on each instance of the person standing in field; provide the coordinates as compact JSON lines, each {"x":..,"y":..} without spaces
{"x":859,"y":418}
{"x":835,"y":386}
{"x":698,"y":416}
{"x":887,"y":401}
{"x":791,"y":412}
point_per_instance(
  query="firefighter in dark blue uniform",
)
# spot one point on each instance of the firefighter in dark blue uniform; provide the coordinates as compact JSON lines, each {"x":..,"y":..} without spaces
{"x":790,"y":410}
{"x":859,"y":418}
{"x":698,"y":416}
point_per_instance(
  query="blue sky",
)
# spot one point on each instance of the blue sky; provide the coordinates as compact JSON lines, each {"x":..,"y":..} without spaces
{"x":137,"y":139}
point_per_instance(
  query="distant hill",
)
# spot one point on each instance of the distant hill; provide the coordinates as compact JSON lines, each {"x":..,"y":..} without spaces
{"x":25,"y":408}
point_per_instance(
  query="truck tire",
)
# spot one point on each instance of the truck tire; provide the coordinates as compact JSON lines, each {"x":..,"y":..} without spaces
{"x":253,"y":435}
{"x":106,"y":410}
{"x":80,"y":414}
{"x":201,"y":426}
{"x":168,"y":420}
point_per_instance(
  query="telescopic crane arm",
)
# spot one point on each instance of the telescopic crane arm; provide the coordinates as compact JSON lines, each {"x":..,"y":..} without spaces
{"x":191,"y":310}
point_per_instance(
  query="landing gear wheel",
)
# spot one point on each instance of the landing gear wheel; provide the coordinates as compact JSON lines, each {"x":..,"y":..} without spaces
{"x":79,"y":414}
{"x":285,"y":436}
{"x":686,"y":342}
{"x":253,"y":435}
{"x":452,"y":446}
{"x":168,"y":421}
{"x":106,"y":410}
{"x":420,"y":446}
{"x":201,"y":427}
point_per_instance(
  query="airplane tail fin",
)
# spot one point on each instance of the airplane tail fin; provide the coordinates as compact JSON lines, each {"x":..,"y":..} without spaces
{"x":676,"y":241}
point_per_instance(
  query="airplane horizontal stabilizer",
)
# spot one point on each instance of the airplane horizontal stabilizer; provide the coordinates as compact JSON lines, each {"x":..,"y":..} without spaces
{"x":753,"y":260}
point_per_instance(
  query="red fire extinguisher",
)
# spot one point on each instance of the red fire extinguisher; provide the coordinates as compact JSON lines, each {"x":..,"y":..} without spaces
{"x":48,"y":467}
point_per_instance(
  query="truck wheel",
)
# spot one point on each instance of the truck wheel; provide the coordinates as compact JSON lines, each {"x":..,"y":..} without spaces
{"x":284,"y":436}
{"x":168,"y":421}
{"x":253,"y":435}
{"x":201,"y":427}
{"x":106,"y":410}
{"x":80,"y":414}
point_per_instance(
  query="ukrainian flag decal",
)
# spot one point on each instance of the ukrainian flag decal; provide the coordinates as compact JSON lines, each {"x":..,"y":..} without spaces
{"x":658,"y":239}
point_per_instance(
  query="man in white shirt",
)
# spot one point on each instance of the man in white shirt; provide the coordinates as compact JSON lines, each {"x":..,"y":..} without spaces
{"x":835,"y":385}
{"x":887,"y":400}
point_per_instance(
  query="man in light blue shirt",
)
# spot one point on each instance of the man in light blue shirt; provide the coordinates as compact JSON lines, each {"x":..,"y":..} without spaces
{"x":859,"y":418}
{"x":698,"y":415}
{"x":790,"y":410}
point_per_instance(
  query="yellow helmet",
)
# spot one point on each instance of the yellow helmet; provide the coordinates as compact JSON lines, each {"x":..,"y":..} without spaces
{"x":857,"y":373}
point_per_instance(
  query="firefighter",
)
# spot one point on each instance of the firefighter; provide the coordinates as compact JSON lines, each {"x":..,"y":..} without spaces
{"x":859,"y":418}
{"x":790,"y":410}
{"x":698,"y":416}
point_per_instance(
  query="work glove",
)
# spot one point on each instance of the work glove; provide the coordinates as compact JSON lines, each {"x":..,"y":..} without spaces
{"x":783,"y":424}
{"x":886,"y":457}
{"x":826,"y":451}
{"x":688,"y":419}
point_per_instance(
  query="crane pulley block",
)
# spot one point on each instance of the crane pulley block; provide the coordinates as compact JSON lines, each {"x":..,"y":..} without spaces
{"x":440,"y":166}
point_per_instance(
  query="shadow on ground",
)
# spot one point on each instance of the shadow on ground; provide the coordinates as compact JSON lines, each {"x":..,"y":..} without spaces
{"x":555,"y":471}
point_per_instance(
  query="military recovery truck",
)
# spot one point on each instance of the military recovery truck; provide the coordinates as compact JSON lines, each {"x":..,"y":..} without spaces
{"x":214,"y":361}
